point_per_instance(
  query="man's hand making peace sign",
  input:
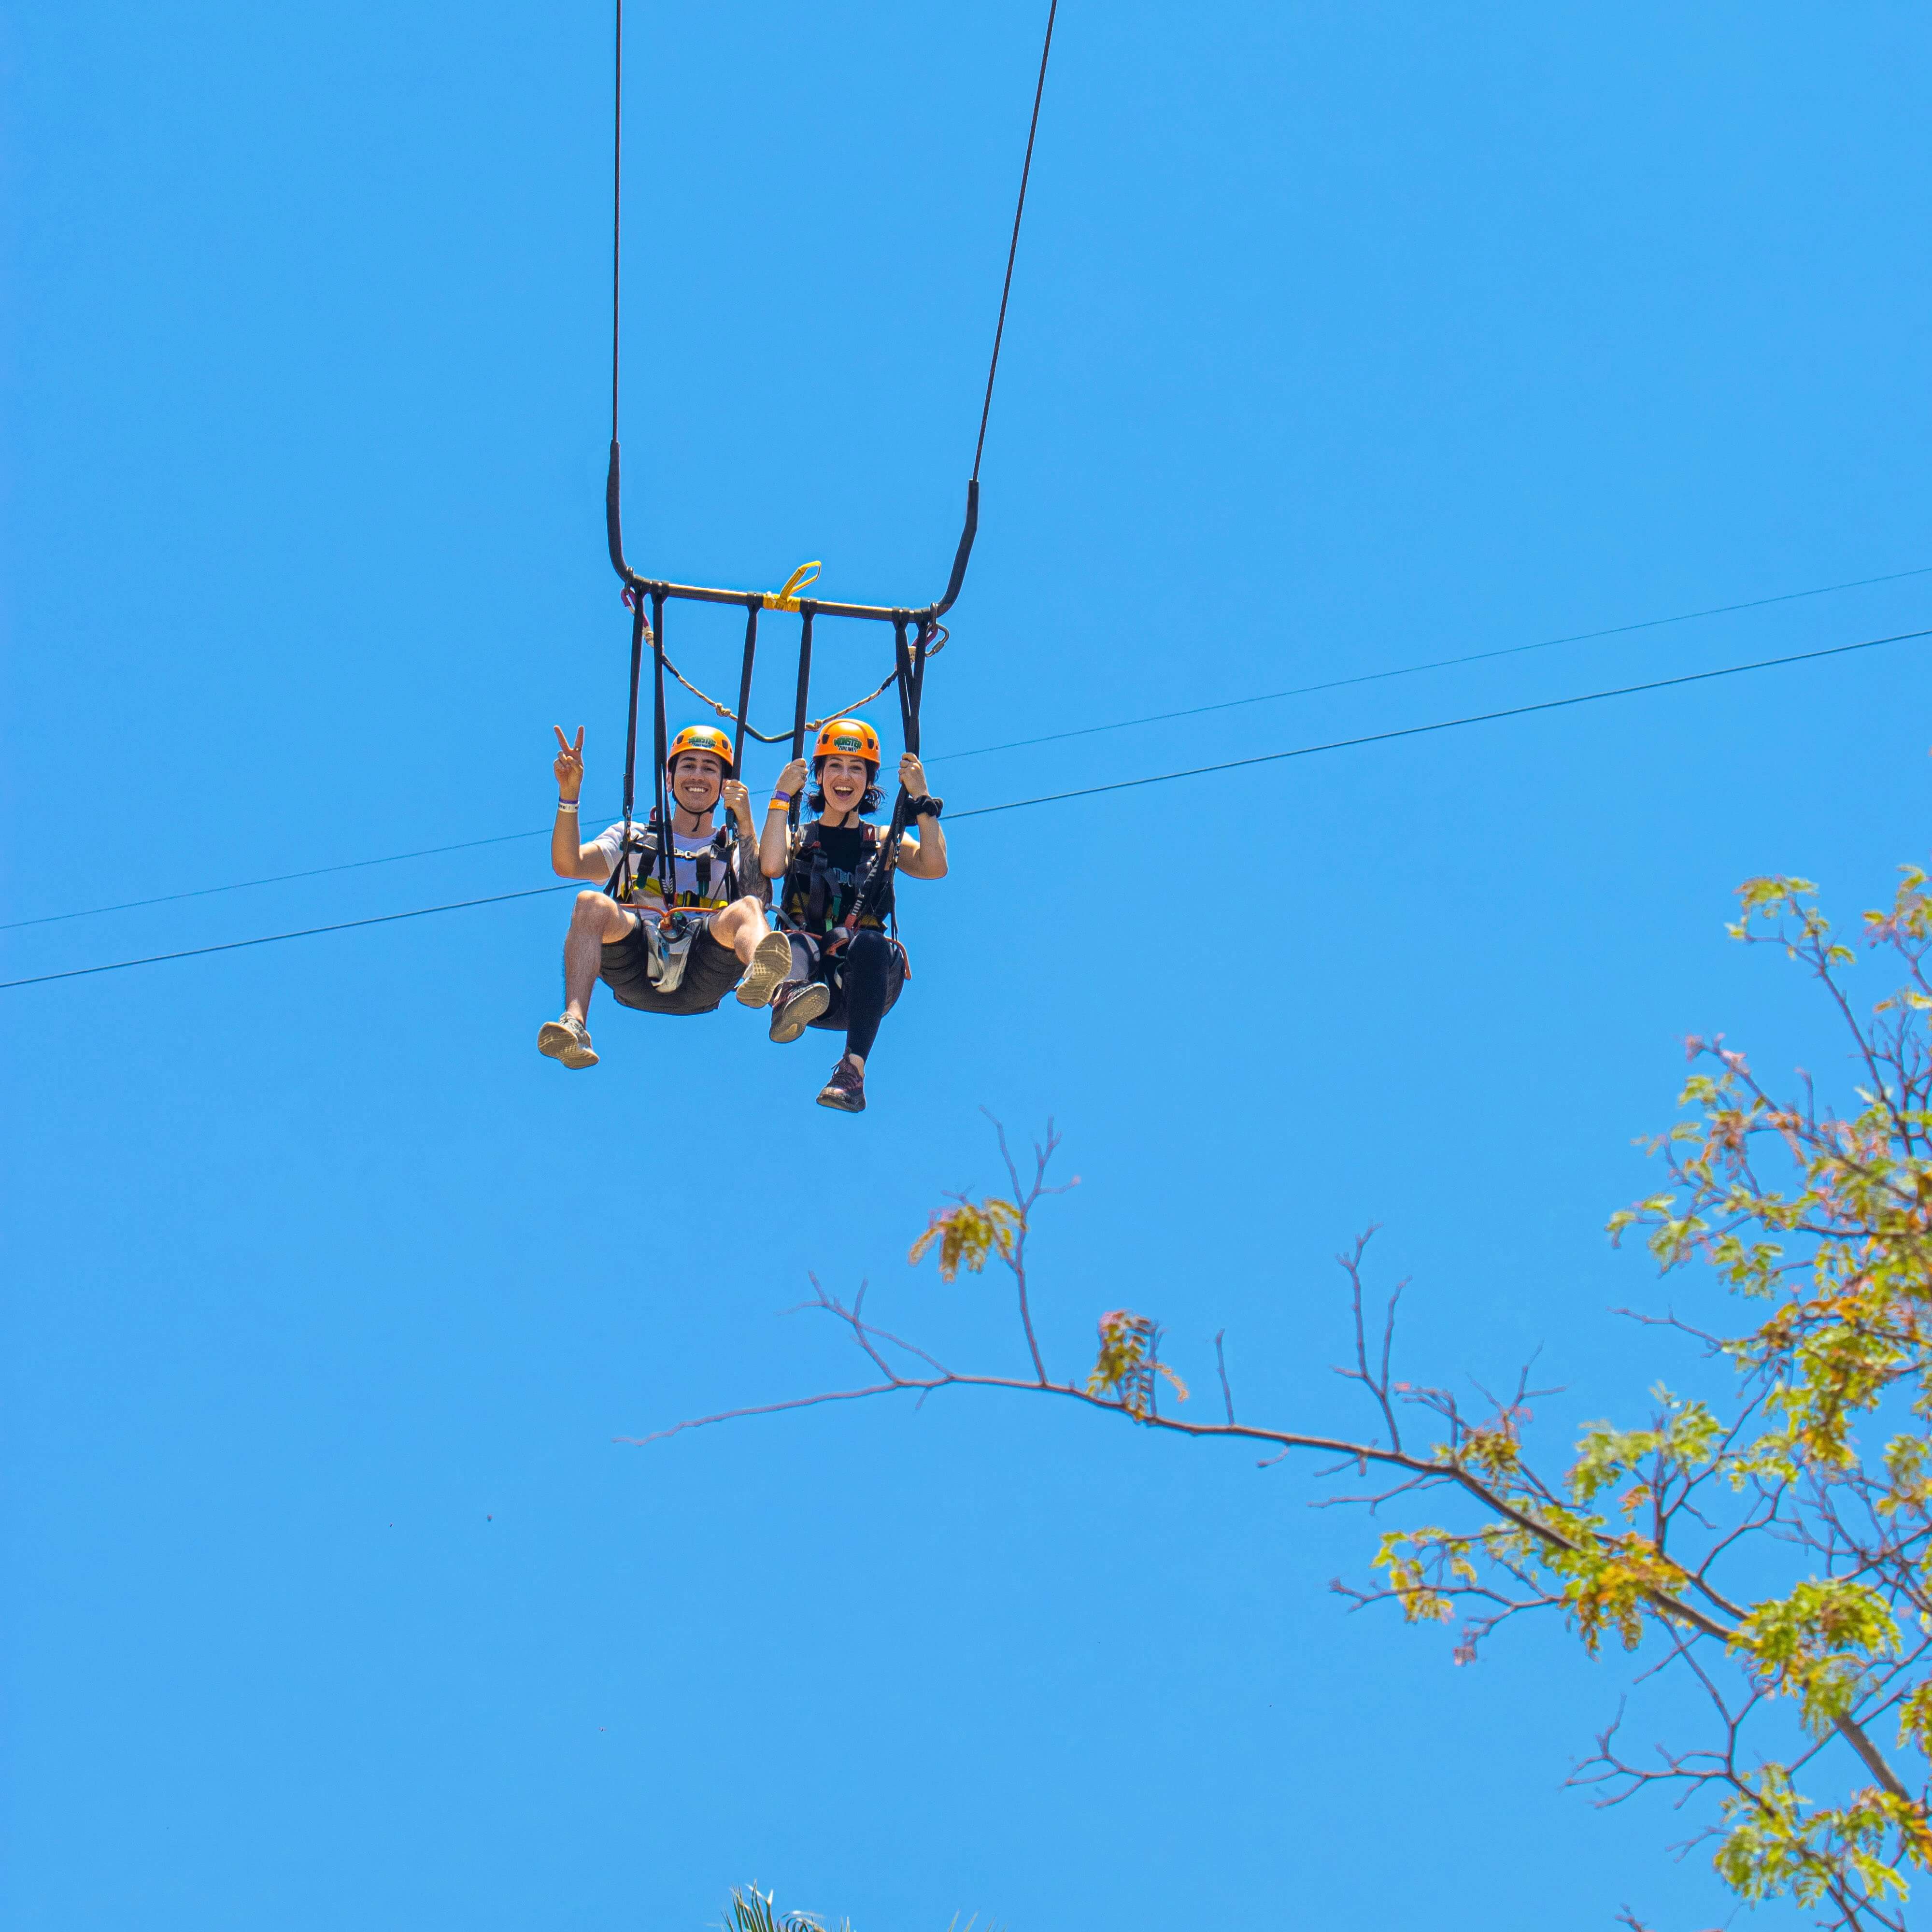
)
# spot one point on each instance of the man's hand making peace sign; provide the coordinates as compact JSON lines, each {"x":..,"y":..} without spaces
{"x":569,"y":765}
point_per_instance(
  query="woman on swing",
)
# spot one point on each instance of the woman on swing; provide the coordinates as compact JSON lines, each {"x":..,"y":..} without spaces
{"x":846,"y":971}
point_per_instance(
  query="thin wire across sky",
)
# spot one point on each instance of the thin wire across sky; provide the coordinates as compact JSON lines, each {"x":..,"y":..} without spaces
{"x":1051,"y":798}
{"x":1049,"y":738}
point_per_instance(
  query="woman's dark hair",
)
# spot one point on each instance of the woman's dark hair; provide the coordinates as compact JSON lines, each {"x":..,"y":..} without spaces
{"x":815,"y":798}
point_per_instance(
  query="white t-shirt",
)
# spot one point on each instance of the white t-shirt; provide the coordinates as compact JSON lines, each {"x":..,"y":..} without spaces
{"x":689,"y":850}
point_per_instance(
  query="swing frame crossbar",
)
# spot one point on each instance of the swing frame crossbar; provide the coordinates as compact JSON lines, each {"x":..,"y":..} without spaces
{"x":770,"y":600}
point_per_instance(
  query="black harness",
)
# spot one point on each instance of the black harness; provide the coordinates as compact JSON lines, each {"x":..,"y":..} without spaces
{"x":717,"y":859}
{"x":807,"y":904}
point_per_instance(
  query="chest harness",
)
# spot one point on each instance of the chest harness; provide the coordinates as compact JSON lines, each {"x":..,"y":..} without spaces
{"x":822,"y":901}
{"x":715,"y":865}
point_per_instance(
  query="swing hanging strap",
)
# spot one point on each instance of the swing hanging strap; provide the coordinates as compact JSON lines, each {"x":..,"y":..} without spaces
{"x":618,"y":885}
{"x":911,"y":680}
{"x":800,"y":705}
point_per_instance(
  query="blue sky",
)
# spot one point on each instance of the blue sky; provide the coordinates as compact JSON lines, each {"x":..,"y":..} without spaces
{"x":1343,"y":339}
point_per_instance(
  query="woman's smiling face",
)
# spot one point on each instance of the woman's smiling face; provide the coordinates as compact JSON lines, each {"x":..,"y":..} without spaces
{"x":844,"y":781}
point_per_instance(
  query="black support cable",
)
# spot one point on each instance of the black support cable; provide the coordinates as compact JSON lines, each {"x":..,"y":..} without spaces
{"x":612,"y":491}
{"x":963,"y":555}
{"x":613,"y":524}
{"x":1013,"y":246}
{"x":1083,"y":791}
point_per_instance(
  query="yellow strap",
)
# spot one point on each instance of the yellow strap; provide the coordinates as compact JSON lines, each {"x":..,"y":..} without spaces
{"x":803,"y":578}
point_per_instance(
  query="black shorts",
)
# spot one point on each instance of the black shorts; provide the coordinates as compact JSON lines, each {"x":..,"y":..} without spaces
{"x":710,"y":972}
{"x":830,"y":973}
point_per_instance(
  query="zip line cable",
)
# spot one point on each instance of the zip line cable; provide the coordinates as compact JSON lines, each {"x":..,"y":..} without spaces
{"x":274,"y":879}
{"x":275,"y":938}
{"x":1051,"y":798}
{"x":983,"y":751}
{"x":1437,"y":664}
{"x":1440,"y":724}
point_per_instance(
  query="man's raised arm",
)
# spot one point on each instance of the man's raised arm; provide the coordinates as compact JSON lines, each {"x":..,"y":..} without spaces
{"x":569,"y":857}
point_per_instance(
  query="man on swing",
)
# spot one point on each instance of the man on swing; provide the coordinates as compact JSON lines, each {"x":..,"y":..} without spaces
{"x":684,"y":934}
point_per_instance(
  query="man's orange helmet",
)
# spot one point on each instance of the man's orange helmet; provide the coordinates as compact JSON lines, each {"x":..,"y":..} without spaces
{"x":701,"y":738}
{"x":850,"y":737}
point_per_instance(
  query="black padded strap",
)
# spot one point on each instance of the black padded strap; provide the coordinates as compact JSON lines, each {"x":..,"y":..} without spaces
{"x":744,"y":694}
{"x":911,"y":685}
{"x":801,"y":705}
{"x":666,"y":800}
{"x":619,"y":884}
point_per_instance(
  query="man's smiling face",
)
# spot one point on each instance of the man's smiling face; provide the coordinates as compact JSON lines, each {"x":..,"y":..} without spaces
{"x":696,"y":778}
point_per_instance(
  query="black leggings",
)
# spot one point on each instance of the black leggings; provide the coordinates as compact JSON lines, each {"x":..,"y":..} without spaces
{"x":865,"y":975}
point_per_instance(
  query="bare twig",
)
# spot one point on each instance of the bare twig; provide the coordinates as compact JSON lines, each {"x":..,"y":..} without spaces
{"x":1221,"y":1366}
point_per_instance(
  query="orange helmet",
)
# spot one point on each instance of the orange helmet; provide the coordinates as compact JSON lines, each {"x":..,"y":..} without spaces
{"x":701,"y":738}
{"x":852,"y":736}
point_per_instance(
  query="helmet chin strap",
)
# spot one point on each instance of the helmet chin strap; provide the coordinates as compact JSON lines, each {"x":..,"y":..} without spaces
{"x":679,"y":808}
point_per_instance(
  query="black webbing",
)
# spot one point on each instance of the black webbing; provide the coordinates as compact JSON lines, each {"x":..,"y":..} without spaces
{"x":752,"y":608}
{"x":618,"y":883}
{"x":666,"y":798}
{"x":911,"y":685}
{"x":801,"y":706}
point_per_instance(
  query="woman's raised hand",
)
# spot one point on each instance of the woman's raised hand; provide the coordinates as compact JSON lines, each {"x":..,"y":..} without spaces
{"x":791,"y":779}
{"x":912,"y":775}
{"x":569,"y":763}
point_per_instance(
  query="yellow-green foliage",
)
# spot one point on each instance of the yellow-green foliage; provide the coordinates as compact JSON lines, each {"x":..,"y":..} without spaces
{"x":967,"y":1235}
{"x":1812,"y":1486}
{"x":1128,"y":1362}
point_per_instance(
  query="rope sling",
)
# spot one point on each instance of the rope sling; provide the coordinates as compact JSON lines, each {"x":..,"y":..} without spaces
{"x":917,"y":633}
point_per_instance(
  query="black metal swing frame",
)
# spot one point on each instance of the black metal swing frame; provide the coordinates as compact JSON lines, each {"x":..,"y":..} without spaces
{"x":914,"y":629}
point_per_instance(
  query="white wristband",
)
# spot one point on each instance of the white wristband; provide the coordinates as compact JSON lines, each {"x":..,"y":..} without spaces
{"x":566,"y":805}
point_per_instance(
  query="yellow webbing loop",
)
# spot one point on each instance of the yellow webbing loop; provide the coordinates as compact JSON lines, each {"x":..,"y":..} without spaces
{"x":803,"y":578}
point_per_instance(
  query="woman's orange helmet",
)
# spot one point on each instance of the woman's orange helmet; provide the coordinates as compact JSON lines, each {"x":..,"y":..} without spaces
{"x":701,"y":738}
{"x":851,"y":737}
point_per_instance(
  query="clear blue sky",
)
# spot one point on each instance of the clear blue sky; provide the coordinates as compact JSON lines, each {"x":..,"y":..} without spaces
{"x":1343,"y":338}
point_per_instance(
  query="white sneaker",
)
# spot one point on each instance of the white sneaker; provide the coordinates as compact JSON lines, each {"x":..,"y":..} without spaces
{"x":770,"y":962}
{"x":568,"y":1040}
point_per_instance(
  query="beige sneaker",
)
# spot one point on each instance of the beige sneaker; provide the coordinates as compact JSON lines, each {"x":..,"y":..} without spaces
{"x":770,"y":962}
{"x":568,"y":1040}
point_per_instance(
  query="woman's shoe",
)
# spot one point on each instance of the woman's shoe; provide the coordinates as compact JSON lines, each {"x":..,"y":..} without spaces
{"x":846,"y":1089}
{"x":796,"y":1008}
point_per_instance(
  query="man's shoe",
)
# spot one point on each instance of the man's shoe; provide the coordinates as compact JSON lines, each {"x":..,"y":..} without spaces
{"x":568,"y":1040}
{"x":796,"y":1008}
{"x":846,"y":1089}
{"x":771,"y":961}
